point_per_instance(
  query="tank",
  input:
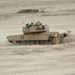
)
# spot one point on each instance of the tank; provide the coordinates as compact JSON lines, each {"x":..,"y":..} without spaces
{"x":37,"y":33}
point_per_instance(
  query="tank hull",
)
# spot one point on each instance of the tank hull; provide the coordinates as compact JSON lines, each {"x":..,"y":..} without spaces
{"x":40,"y":38}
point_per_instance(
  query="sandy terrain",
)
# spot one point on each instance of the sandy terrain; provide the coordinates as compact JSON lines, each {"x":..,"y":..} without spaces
{"x":37,"y":59}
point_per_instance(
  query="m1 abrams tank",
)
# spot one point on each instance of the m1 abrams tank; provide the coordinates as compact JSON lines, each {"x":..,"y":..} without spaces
{"x":37,"y":34}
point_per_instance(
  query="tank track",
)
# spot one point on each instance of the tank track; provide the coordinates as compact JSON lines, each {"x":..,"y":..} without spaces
{"x":34,"y":42}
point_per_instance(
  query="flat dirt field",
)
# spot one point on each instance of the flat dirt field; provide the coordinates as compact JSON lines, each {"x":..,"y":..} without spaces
{"x":57,"y":59}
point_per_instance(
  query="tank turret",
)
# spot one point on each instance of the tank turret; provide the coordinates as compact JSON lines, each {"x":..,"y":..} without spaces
{"x":35,"y":28}
{"x":37,"y":33}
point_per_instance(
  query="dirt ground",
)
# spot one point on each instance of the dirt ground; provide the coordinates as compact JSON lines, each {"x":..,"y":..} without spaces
{"x":57,"y":59}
